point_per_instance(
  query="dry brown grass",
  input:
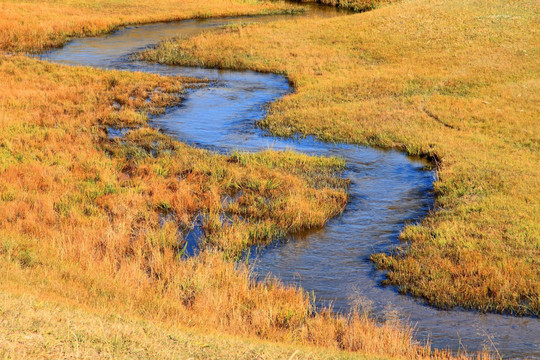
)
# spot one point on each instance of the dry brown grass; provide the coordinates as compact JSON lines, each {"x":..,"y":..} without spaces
{"x":32,"y":328}
{"x":70,"y":196}
{"x":456,"y":81}
{"x":97,"y":224}
{"x":35,"y":25}
{"x":80,"y":216}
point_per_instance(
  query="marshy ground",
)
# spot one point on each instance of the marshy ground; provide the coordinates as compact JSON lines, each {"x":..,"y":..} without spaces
{"x":454,"y":81}
{"x":90,"y":225}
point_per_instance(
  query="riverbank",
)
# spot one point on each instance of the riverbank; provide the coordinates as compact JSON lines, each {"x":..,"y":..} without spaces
{"x":33,"y":26}
{"x":456,"y":82}
{"x":33,"y":328}
{"x":93,"y":223}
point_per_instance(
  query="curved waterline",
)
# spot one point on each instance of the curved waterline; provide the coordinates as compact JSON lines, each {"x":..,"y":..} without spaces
{"x":387,"y":190}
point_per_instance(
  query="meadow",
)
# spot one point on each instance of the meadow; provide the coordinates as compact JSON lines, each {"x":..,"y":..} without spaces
{"x":33,"y":26}
{"x":99,"y":222}
{"x":92,"y":227}
{"x":456,"y":82}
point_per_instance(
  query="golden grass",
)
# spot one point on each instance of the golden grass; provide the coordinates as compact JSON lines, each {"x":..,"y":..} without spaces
{"x":457,"y":81}
{"x":97,"y":223}
{"x":32,"y":328}
{"x":36,"y":25}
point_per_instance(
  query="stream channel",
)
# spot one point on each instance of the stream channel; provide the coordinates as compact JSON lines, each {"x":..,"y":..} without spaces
{"x":388,"y":189}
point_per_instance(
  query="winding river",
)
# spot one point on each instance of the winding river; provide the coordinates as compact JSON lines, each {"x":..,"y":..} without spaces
{"x":388,"y":190}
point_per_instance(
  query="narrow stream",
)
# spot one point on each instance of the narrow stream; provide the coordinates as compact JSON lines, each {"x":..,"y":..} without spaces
{"x":388,"y":190}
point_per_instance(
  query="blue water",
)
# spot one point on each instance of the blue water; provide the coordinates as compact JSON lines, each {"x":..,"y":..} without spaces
{"x":388,"y":190}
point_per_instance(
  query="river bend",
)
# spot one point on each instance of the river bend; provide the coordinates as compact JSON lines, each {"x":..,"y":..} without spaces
{"x":388,"y":189}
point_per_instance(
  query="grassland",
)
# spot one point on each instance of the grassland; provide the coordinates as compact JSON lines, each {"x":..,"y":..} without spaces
{"x":33,"y":25}
{"x":101,"y":221}
{"x":34,"y":328}
{"x":92,"y":227}
{"x":455,"y":81}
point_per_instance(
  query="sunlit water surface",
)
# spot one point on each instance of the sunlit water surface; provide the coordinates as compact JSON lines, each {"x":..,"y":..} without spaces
{"x":388,"y":190}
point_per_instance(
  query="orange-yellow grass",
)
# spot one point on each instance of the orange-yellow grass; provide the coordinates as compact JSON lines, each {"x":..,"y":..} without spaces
{"x":35,"y":25}
{"x":97,"y":224}
{"x":33,"y":328}
{"x":457,"y":81}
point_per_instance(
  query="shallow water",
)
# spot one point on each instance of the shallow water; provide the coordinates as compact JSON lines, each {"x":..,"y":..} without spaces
{"x":388,"y":190}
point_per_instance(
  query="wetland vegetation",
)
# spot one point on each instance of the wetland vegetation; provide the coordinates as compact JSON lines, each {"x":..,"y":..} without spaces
{"x":93,"y":226}
{"x":454,"y":81}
